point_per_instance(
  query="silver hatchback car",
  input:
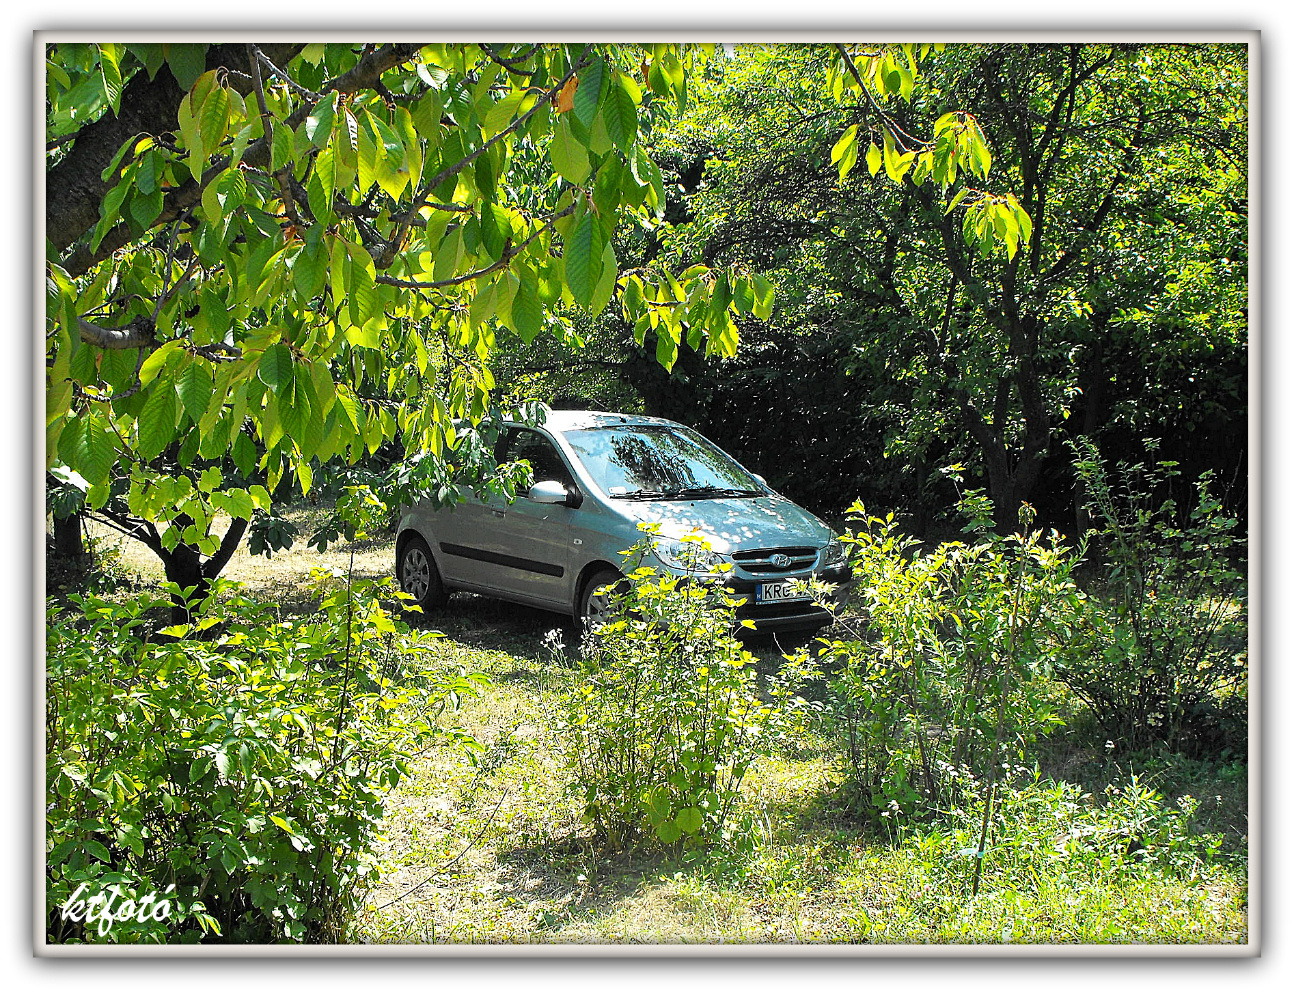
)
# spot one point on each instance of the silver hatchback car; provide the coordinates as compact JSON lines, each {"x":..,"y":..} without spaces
{"x":597,"y":477}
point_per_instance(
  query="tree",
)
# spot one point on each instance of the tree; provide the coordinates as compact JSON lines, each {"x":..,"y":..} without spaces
{"x":264,"y":258}
{"x":1129,"y":162}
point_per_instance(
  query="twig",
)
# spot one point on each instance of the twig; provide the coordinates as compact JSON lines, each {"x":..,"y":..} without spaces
{"x":456,"y":859}
{"x":285,"y":191}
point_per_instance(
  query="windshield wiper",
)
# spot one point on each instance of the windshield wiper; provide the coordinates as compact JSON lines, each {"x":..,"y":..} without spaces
{"x":707,"y":492}
{"x":687,"y":493}
{"x":645,"y":495}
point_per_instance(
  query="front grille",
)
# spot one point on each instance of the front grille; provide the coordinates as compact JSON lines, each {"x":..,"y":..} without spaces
{"x":759,"y":562}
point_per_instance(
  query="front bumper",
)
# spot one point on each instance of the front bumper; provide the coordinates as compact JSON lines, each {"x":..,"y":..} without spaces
{"x":795,"y":615}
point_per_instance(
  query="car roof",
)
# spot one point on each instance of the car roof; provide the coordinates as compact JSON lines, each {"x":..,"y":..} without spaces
{"x":574,"y":420}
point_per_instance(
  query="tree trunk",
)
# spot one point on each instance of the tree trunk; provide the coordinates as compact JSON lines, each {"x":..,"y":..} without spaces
{"x":69,"y":548}
{"x":1092,"y":383}
{"x":185,"y":568}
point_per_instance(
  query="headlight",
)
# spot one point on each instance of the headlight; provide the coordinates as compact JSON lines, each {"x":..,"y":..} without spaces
{"x":834,"y":554}
{"x":690,"y":557}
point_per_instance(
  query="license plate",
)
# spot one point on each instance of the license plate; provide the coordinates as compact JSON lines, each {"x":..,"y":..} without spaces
{"x":782,"y":592}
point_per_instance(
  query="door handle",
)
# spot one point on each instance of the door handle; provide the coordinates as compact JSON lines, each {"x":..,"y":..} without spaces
{"x":497,"y":513}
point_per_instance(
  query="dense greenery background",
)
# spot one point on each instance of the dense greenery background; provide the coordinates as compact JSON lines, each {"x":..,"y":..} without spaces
{"x":996,"y":293}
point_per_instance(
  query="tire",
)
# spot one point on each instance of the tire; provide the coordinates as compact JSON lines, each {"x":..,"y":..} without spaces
{"x":418,"y":575}
{"x":593,"y":605}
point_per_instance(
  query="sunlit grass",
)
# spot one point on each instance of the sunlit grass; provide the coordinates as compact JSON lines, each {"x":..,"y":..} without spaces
{"x":496,"y":852}
{"x":528,"y":870}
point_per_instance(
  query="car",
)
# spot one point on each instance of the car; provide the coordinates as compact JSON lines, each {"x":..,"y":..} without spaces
{"x":598,"y":476}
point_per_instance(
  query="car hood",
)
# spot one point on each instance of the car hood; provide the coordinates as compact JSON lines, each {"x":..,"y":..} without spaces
{"x":733,"y":524}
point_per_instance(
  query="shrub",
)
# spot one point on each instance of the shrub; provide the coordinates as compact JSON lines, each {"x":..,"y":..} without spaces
{"x":667,"y":715}
{"x":1162,"y":656}
{"x":1044,"y":828}
{"x":235,"y":766}
{"x":946,"y":662}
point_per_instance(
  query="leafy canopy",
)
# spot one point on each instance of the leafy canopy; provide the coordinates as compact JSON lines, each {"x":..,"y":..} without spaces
{"x":299,"y":253}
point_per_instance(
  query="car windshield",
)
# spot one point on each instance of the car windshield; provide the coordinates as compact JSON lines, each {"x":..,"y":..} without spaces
{"x":659,"y":461}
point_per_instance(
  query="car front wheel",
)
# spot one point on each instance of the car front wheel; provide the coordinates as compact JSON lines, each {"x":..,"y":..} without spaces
{"x":595,"y":601}
{"x":419,"y":576}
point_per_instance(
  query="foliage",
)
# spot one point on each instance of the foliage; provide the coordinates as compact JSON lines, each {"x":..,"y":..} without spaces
{"x":301,"y":252}
{"x":270,"y":257}
{"x":948,"y":661}
{"x":1123,"y":312}
{"x":1162,"y":655}
{"x":809,"y":875}
{"x":1042,"y":828}
{"x":237,"y":764}
{"x":667,"y":716}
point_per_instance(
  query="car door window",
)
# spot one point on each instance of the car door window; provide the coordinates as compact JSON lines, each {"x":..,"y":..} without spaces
{"x":540,"y":453}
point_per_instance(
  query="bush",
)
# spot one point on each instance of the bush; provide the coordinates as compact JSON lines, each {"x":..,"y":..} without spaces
{"x":1043,"y":828}
{"x":1162,"y":656}
{"x":667,"y":715}
{"x":946,"y":663}
{"x":235,"y":767}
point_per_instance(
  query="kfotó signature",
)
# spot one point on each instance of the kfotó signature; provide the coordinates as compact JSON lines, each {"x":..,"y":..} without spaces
{"x":101,"y":909}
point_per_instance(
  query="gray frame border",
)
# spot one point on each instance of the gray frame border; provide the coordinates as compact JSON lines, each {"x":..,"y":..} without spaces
{"x":1257,"y":891}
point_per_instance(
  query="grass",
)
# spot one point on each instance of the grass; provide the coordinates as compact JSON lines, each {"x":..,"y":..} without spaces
{"x":499,"y":854}
{"x":496,"y":852}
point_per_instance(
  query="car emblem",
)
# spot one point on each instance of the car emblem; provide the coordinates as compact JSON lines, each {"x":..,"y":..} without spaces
{"x":779,"y":560}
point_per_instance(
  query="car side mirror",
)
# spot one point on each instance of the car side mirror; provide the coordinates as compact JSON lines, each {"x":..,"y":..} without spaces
{"x":549,"y":491}
{"x":760,"y":478}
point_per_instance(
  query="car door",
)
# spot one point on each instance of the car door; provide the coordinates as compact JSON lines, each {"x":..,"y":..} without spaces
{"x":527,"y":550}
{"x":461,"y":532}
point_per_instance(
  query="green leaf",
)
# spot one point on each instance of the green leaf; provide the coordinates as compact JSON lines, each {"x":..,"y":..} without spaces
{"x":198,"y":768}
{"x":961,"y":195}
{"x":110,"y":70}
{"x":157,"y":361}
{"x":87,"y":446}
{"x":668,"y":832}
{"x":496,"y":227}
{"x":309,"y":270}
{"x":156,"y":422}
{"x":606,"y":282}
{"x":214,"y":118}
{"x":319,"y":123}
{"x":589,"y":92}
{"x":282,"y":148}
{"x":569,"y":157}
{"x":666,"y":349}
{"x":239,"y":504}
{"x":144,"y":208}
{"x":689,"y":820}
{"x":243,"y":452}
{"x":763,"y":298}
{"x":195,"y":385}
{"x":874,"y":158}
{"x":620,"y":116}
{"x":527,"y":311}
{"x":720,"y":297}
{"x":845,"y":151}
{"x":187,"y":63}
{"x":275,"y":366}
{"x":499,"y":116}
{"x":210,"y":479}
{"x":743,"y":295}
{"x":294,"y":409}
{"x":583,"y":257}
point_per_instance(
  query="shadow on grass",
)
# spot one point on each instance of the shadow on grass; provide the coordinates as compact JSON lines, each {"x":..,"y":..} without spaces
{"x":591,"y":883}
{"x":482,"y":623}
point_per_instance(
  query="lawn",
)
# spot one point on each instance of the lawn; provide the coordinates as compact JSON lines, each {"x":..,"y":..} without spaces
{"x":497,"y":852}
